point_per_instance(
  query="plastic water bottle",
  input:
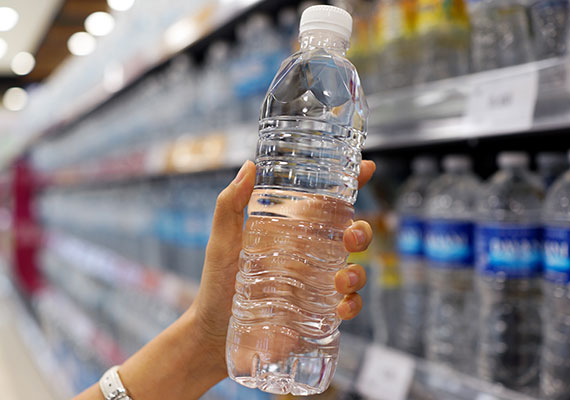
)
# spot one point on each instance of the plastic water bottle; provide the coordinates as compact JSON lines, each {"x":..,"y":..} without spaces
{"x":508,"y":264}
{"x":550,"y":166}
{"x":448,"y":247}
{"x":443,"y":34}
{"x":550,"y":27}
{"x":555,"y":363}
{"x":501,"y":34}
{"x":283,"y":335}
{"x":410,"y":207}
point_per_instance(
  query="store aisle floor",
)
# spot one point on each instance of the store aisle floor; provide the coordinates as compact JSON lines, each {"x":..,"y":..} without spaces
{"x":20,"y":378}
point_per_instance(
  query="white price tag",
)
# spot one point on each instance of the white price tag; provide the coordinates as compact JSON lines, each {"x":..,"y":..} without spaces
{"x":502,"y":105}
{"x":385,"y":374}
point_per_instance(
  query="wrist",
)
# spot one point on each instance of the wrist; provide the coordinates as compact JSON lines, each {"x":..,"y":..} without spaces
{"x":180,"y":363}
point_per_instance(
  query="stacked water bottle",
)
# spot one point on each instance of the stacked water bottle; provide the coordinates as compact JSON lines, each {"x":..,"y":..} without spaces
{"x":486,"y":270}
{"x":182,"y":99}
{"x":166,"y":224}
{"x":405,"y":42}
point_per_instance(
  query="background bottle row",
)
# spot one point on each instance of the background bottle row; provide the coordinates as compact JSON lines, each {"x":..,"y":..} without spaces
{"x":466,"y":286}
{"x":395,"y":43}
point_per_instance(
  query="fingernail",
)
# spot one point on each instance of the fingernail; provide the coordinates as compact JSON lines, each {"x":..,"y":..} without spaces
{"x":240,"y":174}
{"x":351,"y":305}
{"x":359,"y":236}
{"x":352,"y":278}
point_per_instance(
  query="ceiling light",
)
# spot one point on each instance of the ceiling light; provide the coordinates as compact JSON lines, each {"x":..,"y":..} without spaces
{"x":8,"y":18}
{"x":3,"y":47}
{"x":120,"y":5}
{"x":99,"y":23}
{"x":180,"y":34}
{"x":81,"y":44}
{"x":23,"y":63}
{"x":15,"y":99}
{"x":113,"y":78}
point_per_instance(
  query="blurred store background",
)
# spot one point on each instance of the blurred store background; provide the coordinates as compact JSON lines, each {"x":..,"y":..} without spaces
{"x":122,"y":120}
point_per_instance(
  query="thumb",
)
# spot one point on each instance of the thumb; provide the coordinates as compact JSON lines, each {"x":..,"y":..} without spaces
{"x":225,"y":240}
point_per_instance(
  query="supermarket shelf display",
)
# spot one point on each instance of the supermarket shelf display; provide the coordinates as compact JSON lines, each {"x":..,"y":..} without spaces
{"x":162,"y":129}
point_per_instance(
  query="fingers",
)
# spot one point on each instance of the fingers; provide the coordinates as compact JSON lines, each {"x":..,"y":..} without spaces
{"x":350,"y":279}
{"x":367,"y":168}
{"x":350,"y":306}
{"x":225,"y":240}
{"x":357,"y":237}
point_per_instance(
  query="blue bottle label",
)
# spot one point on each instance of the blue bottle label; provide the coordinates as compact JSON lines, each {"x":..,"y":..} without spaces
{"x":411,"y":237}
{"x":449,"y":244}
{"x":512,"y":251}
{"x":556,"y":257}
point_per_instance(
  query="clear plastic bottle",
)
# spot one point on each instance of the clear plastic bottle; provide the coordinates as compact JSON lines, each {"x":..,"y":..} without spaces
{"x":508,"y":265}
{"x":555,"y":362}
{"x":501,"y":34}
{"x":399,"y":54}
{"x":283,"y":335}
{"x":410,"y":208}
{"x":550,"y":165}
{"x":448,"y":248}
{"x":549,"y":20}
{"x":443,"y":38}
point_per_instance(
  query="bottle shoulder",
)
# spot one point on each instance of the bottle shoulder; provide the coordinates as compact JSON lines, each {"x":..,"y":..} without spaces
{"x":452,"y":196}
{"x":557,"y":203}
{"x":317,"y":85}
{"x":412,"y":194}
{"x":511,"y":196}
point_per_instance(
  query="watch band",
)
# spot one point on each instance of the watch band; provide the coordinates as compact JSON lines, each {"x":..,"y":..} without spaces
{"x":111,"y":385}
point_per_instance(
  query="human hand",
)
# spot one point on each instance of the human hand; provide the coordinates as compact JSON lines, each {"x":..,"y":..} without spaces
{"x":212,"y":306}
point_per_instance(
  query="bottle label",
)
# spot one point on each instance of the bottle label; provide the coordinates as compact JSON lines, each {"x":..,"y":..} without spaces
{"x":511,"y":251}
{"x":556,"y":254}
{"x":449,"y":244}
{"x":410,"y":237}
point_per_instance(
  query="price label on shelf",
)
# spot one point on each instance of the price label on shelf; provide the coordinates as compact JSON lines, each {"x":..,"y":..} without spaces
{"x":505,"y":104}
{"x":385,"y":375}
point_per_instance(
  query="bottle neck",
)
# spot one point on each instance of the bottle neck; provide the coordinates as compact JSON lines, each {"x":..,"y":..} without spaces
{"x":321,"y":39}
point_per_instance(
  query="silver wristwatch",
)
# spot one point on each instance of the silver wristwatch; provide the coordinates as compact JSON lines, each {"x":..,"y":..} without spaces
{"x":111,"y":385}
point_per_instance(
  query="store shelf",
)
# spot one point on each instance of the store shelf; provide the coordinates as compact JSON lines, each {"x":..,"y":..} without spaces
{"x":183,"y":34}
{"x":188,"y":154}
{"x":79,"y":328}
{"x":121,"y":273}
{"x":33,"y":371}
{"x":532,"y":97}
{"x":380,"y":373}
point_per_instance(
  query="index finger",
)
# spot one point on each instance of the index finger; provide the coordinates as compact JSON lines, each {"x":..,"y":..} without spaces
{"x":367,"y":168}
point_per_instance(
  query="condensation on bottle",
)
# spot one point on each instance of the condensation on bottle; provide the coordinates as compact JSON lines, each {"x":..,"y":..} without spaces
{"x":283,"y":334}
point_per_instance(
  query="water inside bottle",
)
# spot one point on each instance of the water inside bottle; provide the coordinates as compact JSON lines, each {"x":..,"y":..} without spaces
{"x":283,"y":336}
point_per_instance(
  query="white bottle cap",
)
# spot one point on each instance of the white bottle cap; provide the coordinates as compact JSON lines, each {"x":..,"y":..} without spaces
{"x":549,"y":159}
{"x":327,"y":18}
{"x":456,"y":162}
{"x":512,"y":159}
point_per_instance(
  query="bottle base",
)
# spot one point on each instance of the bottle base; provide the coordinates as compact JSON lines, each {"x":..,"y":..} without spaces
{"x":279,"y":384}
{"x":296,"y":375}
